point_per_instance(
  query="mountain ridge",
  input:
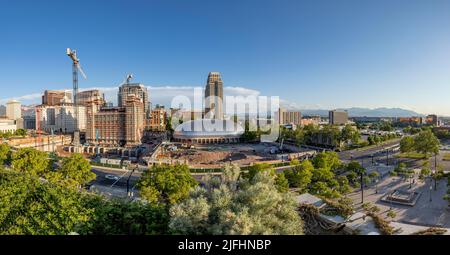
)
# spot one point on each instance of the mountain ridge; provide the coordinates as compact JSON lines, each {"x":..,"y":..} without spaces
{"x":367,"y":112}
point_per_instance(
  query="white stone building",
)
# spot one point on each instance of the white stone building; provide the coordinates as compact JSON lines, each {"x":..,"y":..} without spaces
{"x":60,"y":118}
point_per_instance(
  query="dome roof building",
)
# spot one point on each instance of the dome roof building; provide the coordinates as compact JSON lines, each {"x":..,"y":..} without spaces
{"x":205,"y":131}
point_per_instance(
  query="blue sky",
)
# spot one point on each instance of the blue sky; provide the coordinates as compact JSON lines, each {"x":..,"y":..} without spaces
{"x":313,"y":54}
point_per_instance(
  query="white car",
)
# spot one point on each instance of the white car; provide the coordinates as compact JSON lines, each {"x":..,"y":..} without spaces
{"x":112,"y":177}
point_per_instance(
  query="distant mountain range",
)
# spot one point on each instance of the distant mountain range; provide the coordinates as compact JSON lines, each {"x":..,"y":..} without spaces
{"x":366,"y":112}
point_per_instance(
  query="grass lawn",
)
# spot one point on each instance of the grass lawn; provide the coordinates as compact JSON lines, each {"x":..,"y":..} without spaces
{"x":446,"y":156}
{"x":411,"y":155}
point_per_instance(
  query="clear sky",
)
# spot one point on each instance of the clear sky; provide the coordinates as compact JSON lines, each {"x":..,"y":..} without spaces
{"x":313,"y":54}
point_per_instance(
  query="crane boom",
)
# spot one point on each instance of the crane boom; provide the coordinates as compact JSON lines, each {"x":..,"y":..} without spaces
{"x":75,"y":69}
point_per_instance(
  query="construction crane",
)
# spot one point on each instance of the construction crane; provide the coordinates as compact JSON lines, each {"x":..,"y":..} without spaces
{"x":75,"y":69}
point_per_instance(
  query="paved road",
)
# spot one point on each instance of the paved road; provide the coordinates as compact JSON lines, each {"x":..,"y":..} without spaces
{"x":364,"y":153}
{"x":122,"y":182}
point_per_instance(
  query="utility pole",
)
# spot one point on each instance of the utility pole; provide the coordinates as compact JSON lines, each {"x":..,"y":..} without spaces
{"x":128,"y":182}
{"x":435,"y":171}
{"x":362,"y":188}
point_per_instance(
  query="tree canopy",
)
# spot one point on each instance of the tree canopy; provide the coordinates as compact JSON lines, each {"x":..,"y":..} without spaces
{"x":237,"y":206}
{"x":166,"y":184}
{"x":31,"y":161}
{"x":31,"y":206}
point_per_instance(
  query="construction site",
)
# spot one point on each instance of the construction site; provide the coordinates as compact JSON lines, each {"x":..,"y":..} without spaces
{"x":215,"y":155}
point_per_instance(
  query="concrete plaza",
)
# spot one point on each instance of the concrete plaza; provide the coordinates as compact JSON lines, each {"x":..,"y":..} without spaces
{"x":434,"y":212}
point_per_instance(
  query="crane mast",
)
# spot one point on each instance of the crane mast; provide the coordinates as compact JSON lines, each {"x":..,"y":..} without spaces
{"x":75,"y":69}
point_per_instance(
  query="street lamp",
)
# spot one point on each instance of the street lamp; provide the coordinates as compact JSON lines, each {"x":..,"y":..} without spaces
{"x":431,"y":188}
{"x":435,"y":171}
{"x":376,"y":186}
{"x":128,"y":181}
{"x":362,"y":188}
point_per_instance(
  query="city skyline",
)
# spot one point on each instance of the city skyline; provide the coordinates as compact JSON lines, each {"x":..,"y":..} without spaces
{"x":396,"y":55}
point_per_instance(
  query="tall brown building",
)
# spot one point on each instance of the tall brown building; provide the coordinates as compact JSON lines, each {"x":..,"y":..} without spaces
{"x":136,"y":89}
{"x":289,"y":117}
{"x":89,"y":97}
{"x":56,"y":97}
{"x":157,"y":121}
{"x":116,"y":126}
{"x":214,"y":96}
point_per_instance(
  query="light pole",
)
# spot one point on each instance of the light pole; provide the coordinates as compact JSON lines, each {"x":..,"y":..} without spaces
{"x":435,"y":171}
{"x":431,"y":188}
{"x":362,"y":188}
{"x":376,"y":186}
{"x":128,"y":181}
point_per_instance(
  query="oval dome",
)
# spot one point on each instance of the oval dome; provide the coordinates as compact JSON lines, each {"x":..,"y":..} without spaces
{"x":205,"y":128}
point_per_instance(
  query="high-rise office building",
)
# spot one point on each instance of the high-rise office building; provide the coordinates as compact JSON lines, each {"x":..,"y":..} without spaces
{"x":89,"y":97}
{"x":118,"y":126}
{"x":13,"y":110}
{"x":135,"y":89}
{"x":338,"y":117}
{"x":214,"y":96}
{"x":289,"y":117}
{"x":432,"y":119}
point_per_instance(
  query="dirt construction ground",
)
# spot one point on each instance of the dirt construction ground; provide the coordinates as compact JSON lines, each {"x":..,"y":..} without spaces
{"x":215,"y":155}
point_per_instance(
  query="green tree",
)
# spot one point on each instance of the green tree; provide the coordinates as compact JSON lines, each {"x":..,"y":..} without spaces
{"x":166,"y":184}
{"x":259,"y":167}
{"x":327,"y":159}
{"x":248,"y":207}
{"x":322,"y":189}
{"x":427,"y":143}
{"x":30,"y":206}
{"x":355,"y":166}
{"x":5,"y":154}
{"x":407,"y":144}
{"x":349,"y":133}
{"x":122,"y":217}
{"x":281,"y":182}
{"x":20,"y":132}
{"x":300,"y":177}
{"x":31,"y":161}
{"x":344,"y":186}
{"x":75,"y":170}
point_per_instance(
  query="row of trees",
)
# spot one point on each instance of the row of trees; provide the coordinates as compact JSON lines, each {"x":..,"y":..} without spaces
{"x":377,"y":139}
{"x":73,"y":171}
{"x":313,"y":135}
{"x":319,"y":176}
{"x":9,"y":134}
{"x":38,"y":198}
{"x":251,"y":202}
{"x":424,"y":142}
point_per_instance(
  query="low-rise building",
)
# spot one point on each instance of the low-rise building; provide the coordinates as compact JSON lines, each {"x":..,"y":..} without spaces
{"x":7,"y":126}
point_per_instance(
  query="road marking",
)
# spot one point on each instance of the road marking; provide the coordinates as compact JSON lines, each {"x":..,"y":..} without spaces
{"x":119,"y":178}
